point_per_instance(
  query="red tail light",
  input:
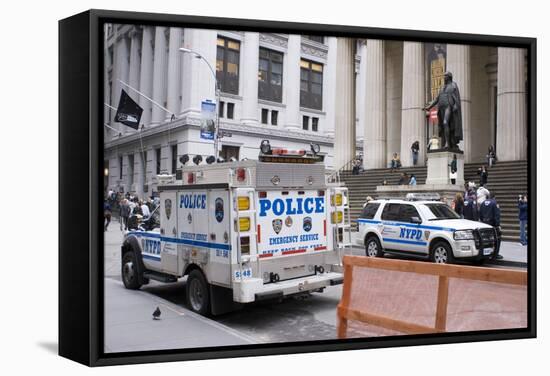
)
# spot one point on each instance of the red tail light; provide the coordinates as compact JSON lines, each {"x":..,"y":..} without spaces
{"x":259,"y":237}
{"x":190,"y":178}
{"x":241,"y":174}
{"x":320,"y":193}
{"x":262,"y":194}
{"x":325,"y":227}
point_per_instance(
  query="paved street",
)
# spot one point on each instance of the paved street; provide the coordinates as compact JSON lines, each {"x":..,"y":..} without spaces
{"x":129,"y":325}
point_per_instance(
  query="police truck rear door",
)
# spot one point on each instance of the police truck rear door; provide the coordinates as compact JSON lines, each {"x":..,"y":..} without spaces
{"x":291,"y":222}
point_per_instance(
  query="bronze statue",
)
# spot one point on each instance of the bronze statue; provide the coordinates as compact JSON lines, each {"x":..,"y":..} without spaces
{"x":449,"y":113}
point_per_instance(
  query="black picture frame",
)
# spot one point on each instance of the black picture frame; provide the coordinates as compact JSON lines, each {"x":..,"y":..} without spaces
{"x":81,"y":238}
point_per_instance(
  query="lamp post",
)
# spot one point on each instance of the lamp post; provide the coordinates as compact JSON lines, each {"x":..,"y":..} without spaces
{"x":217,"y":93}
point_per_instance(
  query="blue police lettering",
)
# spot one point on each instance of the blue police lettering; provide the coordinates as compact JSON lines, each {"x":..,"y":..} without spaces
{"x":292,"y":206}
{"x":291,"y":210}
{"x":278,"y":206}
{"x":193,"y":201}
{"x":151,"y":246}
{"x":409,"y":233}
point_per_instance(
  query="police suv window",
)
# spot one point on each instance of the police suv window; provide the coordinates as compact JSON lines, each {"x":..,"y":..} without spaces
{"x":441,"y":211}
{"x":406,"y":213}
{"x":390,"y":212}
{"x":369,"y":211}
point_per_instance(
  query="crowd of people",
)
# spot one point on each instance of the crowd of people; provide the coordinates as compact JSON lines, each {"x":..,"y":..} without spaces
{"x":129,"y":207}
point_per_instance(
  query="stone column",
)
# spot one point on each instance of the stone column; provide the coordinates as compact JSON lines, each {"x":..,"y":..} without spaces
{"x":344,"y":129}
{"x":121,"y":73}
{"x":250,"y":59}
{"x":374,"y":144}
{"x":458,"y":63}
{"x":413,"y":120}
{"x":198,"y":83}
{"x":293,"y":121}
{"x":146,"y":74}
{"x":329,"y":93}
{"x":159,"y":74}
{"x":361,"y":112}
{"x":135,"y":63}
{"x":135,"y":66}
{"x":511,"y":105}
{"x":174,"y":71}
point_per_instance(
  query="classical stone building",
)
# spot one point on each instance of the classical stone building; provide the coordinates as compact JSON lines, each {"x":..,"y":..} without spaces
{"x":346,"y":95}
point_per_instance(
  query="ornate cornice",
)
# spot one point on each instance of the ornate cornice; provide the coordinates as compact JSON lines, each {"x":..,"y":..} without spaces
{"x":275,"y":39}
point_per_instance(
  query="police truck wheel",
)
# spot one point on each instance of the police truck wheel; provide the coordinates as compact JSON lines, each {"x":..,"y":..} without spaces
{"x":129,"y":271}
{"x":442,"y":253}
{"x":373,"y":247}
{"x":198,"y":297}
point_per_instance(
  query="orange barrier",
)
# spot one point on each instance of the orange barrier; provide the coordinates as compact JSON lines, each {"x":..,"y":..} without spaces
{"x":388,"y":296}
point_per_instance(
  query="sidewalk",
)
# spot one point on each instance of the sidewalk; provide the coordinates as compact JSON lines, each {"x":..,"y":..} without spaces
{"x":129,"y":324}
{"x":514,"y":254}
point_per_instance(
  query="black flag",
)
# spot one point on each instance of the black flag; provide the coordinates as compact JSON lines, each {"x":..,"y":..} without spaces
{"x":128,"y":111}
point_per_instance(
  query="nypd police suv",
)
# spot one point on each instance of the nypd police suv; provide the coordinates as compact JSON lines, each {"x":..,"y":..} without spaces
{"x":243,"y":231}
{"x":428,"y":229}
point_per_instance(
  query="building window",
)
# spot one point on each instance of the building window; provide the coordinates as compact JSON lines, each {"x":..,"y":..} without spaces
{"x":230,"y":110}
{"x":174,"y":149}
{"x":157,"y":160}
{"x":227,"y":65}
{"x":220,"y":109}
{"x":311,"y":84}
{"x":274,"y":117}
{"x":315,"y":38}
{"x":314,"y":124}
{"x":229,"y":152}
{"x":270,"y":75}
{"x":265,"y":113}
{"x":305,"y":123}
{"x":120,"y":166}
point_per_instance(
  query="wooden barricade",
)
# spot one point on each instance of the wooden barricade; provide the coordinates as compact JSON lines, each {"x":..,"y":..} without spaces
{"x":442,"y":271}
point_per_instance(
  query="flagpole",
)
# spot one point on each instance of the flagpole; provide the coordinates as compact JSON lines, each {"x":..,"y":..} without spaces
{"x":111,"y":128}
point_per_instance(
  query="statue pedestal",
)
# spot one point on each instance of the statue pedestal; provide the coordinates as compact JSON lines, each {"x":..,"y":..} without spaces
{"x":439,"y":168}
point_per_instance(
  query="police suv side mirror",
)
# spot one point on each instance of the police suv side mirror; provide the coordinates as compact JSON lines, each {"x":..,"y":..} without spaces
{"x":416,"y":220}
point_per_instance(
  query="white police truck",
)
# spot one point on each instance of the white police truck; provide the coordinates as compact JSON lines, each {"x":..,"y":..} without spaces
{"x":428,"y":229}
{"x":243,"y":231}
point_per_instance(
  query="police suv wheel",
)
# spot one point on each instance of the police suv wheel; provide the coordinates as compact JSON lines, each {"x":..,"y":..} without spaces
{"x":129,"y":271}
{"x":442,"y":253}
{"x":198,"y":296}
{"x":373,"y":247}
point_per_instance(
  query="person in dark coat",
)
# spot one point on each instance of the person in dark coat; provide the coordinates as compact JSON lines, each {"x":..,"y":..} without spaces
{"x":489,"y":213}
{"x":523,"y":215}
{"x":107,"y":212}
{"x":454,"y":168}
{"x":469,"y":209}
{"x":459,"y":205}
{"x":415,"y":148}
{"x":483,"y":175}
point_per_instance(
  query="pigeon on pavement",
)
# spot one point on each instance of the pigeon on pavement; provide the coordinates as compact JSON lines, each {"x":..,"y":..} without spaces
{"x":156,"y":314}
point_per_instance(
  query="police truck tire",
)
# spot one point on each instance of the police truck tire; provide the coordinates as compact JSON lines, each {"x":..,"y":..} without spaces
{"x":373,"y":248}
{"x":441,"y":253}
{"x":198,"y":293}
{"x":129,"y":271}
